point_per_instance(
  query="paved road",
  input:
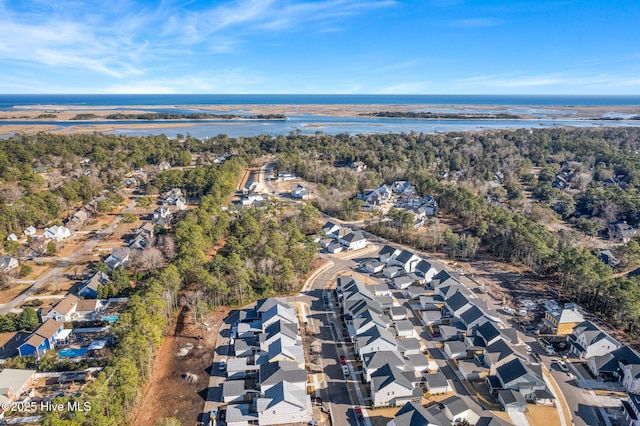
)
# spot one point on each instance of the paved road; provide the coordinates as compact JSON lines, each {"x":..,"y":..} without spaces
{"x":57,"y":270}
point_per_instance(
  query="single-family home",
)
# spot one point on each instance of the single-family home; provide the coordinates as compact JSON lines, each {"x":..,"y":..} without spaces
{"x":472,"y":369}
{"x":279,"y":312}
{"x":89,"y":288}
{"x":393,"y":271}
{"x":403,"y":187}
{"x":631,"y":408}
{"x":610,"y":366}
{"x":330,"y":229}
{"x":444,"y":278}
{"x":272,"y":373}
{"x":372,"y":361}
{"x":587,"y":341}
{"x":38,"y":247}
{"x":457,"y":303}
{"x":119,"y":257}
{"x":358,"y":166}
{"x":64,"y":310}
{"x":57,"y":233}
{"x":455,"y":349}
{"x":512,"y":401}
{"x":490,"y":333}
{"x":402,"y":282}
{"x":630,"y":377}
{"x":408,"y":346}
{"x":414,"y":292}
{"x":391,"y":387}
{"x":455,"y":331}
{"x":404,"y":328}
{"x":161,"y":217}
{"x":234,"y":391}
{"x":397,"y":313}
{"x":414,"y":414}
{"x":8,"y":263}
{"x":30,"y":231}
{"x":406,"y":260}
{"x":425,"y":270}
{"x":43,"y":339}
{"x":387,"y":253}
{"x":241,"y":368}
{"x":375,"y":339}
{"x":14,"y":384}
{"x":353,"y":240}
{"x":517,"y":375}
{"x":285,"y":175}
{"x":559,"y":320}
{"x":12,"y":237}
{"x":437,"y":383}
{"x":175,"y":197}
{"x":299,"y":192}
{"x":457,"y":410}
{"x":621,"y":231}
{"x":374,"y":266}
{"x":240,"y":415}
{"x":284,"y":403}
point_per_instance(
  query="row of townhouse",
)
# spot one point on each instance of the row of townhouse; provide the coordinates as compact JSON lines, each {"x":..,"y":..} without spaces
{"x":338,"y":238}
{"x":393,"y":359}
{"x":268,"y":352}
{"x":483,"y":347}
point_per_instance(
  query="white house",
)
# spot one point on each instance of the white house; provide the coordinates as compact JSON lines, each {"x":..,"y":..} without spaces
{"x":375,"y":339}
{"x":406,"y":260}
{"x":632,"y":409}
{"x":299,"y":192}
{"x":631,"y":377}
{"x":7,"y":263}
{"x":330,"y":229}
{"x":392,"y":387}
{"x":57,"y":233}
{"x":283,"y":403}
{"x":437,"y":383}
{"x":63,"y":311}
{"x":455,"y":349}
{"x":402,"y":282}
{"x":12,"y":237}
{"x":387,"y":253}
{"x":30,"y":231}
{"x":353,"y":240}
{"x":587,"y":341}
{"x":425,"y":270}
{"x":119,"y":257}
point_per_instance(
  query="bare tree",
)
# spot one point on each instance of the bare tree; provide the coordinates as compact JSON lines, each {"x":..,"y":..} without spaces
{"x":12,"y":194}
{"x":149,"y":259}
{"x":167,"y":245}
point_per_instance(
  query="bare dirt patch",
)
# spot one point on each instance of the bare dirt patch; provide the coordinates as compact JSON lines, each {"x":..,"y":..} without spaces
{"x":542,"y":415}
{"x":10,"y":293}
{"x":168,"y":394}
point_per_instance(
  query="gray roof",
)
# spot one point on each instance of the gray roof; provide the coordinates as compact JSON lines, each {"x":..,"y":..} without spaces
{"x":387,"y":375}
{"x":264,"y":305}
{"x":488,"y":331}
{"x":423,"y":267}
{"x":274,"y":372}
{"x":409,"y":343}
{"x":455,"y":346}
{"x":398,"y":310}
{"x":501,"y":348}
{"x":240,"y":413}
{"x":510,"y":397}
{"x":282,"y":391}
{"x":417,"y":360}
{"x":457,"y":301}
{"x":231,"y":388}
{"x":280,"y":328}
{"x":455,"y":404}
{"x":516,"y":369}
{"x":374,"y":333}
{"x":472,"y":314}
{"x":353,"y":237}
{"x":436,"y":380}
{"x":388,"y":250}
{"x":404,"y":325}
{"x":413,"y":414}
{"x":375,"y":360}
{"x":405,"y":256}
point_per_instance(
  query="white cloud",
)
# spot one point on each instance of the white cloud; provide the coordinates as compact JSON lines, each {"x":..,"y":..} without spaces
{"x":407,"y":88}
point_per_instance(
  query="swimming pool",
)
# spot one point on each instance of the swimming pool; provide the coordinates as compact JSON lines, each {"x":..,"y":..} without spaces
{"x":110,"y":318}
{"x":72,"y":352}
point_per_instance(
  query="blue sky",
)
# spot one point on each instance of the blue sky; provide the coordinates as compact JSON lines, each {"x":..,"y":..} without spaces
{"x":320,"y":46}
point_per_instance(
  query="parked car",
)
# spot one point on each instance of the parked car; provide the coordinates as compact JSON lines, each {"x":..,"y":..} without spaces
{"x":223,"y":365}
{"x":343,"y":360}
{"x":359,"y":413}
{"x":562,"y":365}
{"x":345,"y":371}
{"x":527,"y":347}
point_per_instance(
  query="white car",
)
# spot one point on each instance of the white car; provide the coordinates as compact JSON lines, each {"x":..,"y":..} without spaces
{"x":345,"y":371}
{"x":562,"y":365}
{"x":223,"y":365}
{"x":527,"y":348}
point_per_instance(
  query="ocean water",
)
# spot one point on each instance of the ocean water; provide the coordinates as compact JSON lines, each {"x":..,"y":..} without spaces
{"x":10,"y":101}
{"x":542,"y":108}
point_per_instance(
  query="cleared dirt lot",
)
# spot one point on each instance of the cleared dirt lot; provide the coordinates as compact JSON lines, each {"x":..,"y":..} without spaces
{"x":168,"y":394}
